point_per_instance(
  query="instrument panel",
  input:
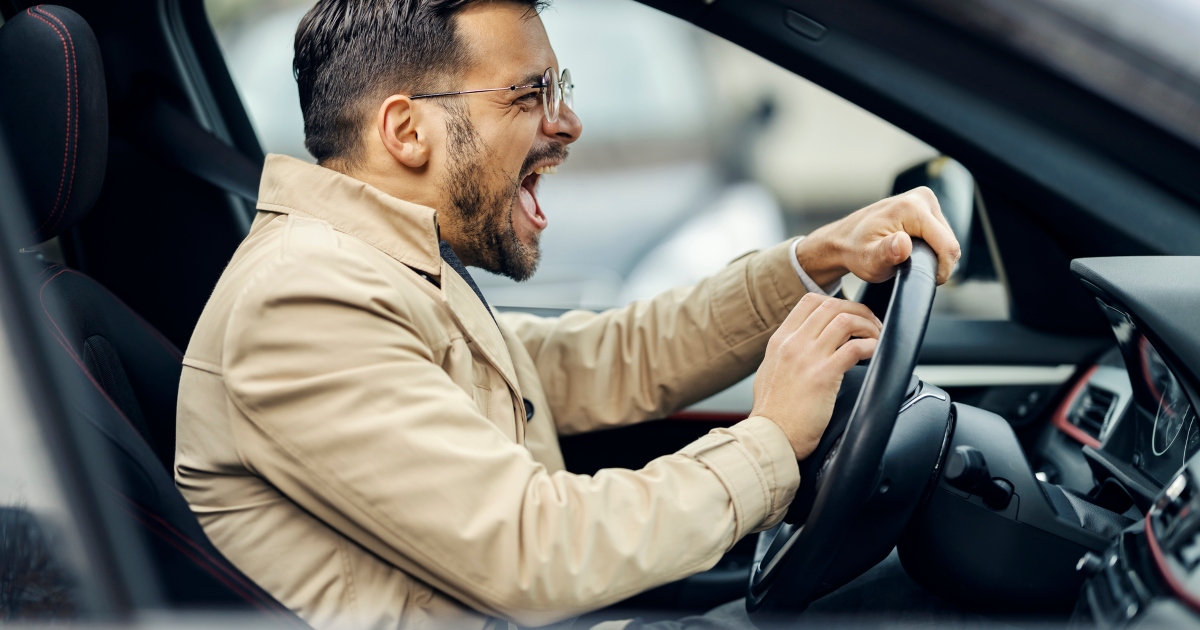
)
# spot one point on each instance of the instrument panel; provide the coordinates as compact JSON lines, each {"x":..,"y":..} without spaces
{"x":1159,"y":432}
{"x":1169,"y":438}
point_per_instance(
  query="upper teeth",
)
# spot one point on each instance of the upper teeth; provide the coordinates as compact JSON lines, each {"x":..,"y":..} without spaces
{"x":546,"y":170}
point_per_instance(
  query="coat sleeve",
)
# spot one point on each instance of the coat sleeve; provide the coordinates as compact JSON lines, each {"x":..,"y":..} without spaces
{"x":340,"y":405}
{"x":655,"y":356}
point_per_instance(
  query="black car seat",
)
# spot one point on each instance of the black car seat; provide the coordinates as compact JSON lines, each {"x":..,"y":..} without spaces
{"x":123,"y":375}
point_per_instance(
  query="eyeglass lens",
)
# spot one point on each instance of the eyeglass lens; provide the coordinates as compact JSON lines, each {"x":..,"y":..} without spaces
{"x":552,"y":95}
{"x":556,"y":91}
{"x":568,"y":89}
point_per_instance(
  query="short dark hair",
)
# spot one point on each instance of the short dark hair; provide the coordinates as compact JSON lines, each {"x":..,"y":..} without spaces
{"x":348,"y":51}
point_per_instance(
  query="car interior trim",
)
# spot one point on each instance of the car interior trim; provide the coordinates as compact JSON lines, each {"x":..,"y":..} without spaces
{"x":1169,"y":578}
{"x":994,"y":375}
{"x":195,"y":85}
{"x":1060,"y":415}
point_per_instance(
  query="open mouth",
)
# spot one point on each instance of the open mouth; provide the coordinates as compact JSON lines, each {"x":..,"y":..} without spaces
{"x":528,"y":196}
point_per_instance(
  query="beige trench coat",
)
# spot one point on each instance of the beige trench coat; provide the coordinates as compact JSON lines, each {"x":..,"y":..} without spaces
{"x":352,"y":432}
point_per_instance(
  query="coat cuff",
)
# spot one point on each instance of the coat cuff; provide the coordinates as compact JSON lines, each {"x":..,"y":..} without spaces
{"x":757,"y":295}
{"x":757,"y":466}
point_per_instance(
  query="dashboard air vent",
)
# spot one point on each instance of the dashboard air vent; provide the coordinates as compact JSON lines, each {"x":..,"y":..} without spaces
{"x":1091,"y":408}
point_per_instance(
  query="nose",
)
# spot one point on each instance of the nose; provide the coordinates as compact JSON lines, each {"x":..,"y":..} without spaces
{"x":566,"y":129}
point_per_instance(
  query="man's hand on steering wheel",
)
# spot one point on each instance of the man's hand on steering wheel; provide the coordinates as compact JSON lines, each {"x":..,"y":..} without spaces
{"x":871,"y":242}
{"x":798,"y":380}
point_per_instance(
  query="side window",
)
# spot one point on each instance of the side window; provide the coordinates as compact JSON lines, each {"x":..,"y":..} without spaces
{"x":694,"y":151}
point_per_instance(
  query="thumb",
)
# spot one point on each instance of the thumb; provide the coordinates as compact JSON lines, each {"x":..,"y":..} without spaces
{"x":899,"y":248}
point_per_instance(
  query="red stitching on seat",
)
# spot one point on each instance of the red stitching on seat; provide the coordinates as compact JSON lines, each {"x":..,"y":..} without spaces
{"x":61,"y":338}
{"x":49,"y":268}
{"x":197,"y":561}
{"x":216,"y":563}
{"x":75,"y":140}
{"x":166,"y":343}
{"x":67,"y":134}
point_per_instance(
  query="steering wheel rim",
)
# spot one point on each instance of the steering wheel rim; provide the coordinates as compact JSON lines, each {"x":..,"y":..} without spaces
{"x":788,"y":580}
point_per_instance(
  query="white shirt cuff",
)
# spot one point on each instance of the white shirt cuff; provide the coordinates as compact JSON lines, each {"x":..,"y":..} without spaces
{"x":809,"y":285}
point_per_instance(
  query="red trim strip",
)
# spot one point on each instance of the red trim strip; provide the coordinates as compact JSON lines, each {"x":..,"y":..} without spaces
{"x":1060,"y":415}
{"x":1173,"y":582}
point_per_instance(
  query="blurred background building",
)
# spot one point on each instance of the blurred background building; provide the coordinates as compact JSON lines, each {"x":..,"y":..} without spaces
{"x":694,"y":152}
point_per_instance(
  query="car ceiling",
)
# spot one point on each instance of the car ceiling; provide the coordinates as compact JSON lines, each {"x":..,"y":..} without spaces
{"x":1062,"y":173}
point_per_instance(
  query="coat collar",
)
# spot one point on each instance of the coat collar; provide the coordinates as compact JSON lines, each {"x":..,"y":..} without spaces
{"x":405,"y":231}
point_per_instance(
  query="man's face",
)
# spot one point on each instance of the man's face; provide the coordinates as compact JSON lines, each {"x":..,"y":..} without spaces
{"x":498,"y":143}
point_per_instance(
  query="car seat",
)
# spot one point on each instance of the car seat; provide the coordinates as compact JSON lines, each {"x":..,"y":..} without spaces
{"x":123,"y":374}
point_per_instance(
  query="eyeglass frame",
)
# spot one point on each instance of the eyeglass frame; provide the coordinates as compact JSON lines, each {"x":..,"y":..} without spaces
{"x":565,"y":92}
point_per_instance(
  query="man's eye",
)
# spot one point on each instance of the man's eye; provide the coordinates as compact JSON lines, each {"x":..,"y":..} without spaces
{"x":531,"y":97}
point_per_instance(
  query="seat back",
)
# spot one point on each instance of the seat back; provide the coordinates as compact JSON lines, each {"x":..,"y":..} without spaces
{"x":124,"y":375}
{"x":135,"y":366}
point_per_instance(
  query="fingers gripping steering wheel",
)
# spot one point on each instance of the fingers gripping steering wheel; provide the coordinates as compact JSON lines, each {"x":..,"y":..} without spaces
{"x":790,"y":575}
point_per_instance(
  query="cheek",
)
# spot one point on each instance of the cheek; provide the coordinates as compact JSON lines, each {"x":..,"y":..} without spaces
{"x":515,"y":141}
{"x":514,"y":157}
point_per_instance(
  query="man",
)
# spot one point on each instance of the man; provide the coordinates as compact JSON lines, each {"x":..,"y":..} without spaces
{"x":363,"y":437}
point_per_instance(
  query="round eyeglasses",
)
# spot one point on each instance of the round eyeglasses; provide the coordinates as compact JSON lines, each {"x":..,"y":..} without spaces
{"x":553,"y":89}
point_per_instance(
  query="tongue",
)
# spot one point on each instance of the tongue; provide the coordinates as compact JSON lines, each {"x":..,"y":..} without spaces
{"x":530,"y":205}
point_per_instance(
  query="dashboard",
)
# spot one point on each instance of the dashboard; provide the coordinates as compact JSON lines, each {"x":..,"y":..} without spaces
{"x":1166,"y":431}
{"x":1135,"y":414}
{"x":1145,"y":425}
{"x":1135,"y":409}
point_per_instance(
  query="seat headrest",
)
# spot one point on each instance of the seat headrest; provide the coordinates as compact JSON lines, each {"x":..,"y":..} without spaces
{"x":54,"y":112}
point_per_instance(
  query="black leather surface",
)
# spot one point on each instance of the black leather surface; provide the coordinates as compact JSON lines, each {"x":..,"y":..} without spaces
{"x":120,"y":377}
{"x":55,"y":113}
{"x":123,"y":377}
{"x":1163,"y":292}
{"x":1090,"y":516}
{"x":136,"y":367}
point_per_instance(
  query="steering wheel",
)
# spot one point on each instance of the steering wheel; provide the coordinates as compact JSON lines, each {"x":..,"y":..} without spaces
{"x":790,"y":574}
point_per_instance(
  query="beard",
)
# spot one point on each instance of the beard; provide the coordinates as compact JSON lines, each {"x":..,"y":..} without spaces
{"x":482,"y":200}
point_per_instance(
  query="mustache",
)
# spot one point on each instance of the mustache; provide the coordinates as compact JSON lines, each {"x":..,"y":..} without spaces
{"x":552,"y":151}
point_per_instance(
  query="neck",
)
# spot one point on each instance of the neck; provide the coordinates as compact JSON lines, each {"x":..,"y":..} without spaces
{"x":403,"y":183}
{"x":411,"y":185}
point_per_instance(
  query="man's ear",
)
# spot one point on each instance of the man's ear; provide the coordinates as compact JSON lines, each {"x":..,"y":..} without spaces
{"x":399,"y":125}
